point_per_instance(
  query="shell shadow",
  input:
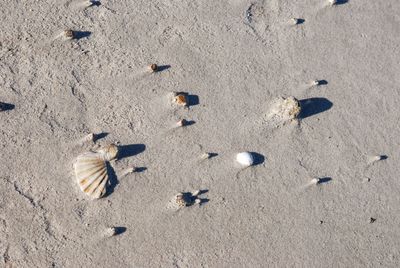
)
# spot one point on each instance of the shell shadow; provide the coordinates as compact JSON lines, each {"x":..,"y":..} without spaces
{"x":314,"y":106}
{"x":119,"y":230}
{"x":300,"y":21}
{"x":130,"y":150}
{"x":192,"y":100}
{"x":6,"y":106}
{"x":258,"y":158}
{"x":99,"y":136}
{"x":384,"y":157}
{"x":162,"y":68}
{"x":81,"y":34}
{"x":190,"y":198}
{"x":341,"y":2}
{"x":189,"y":123}
{"x":95,"y":3}
{"x":324,"y":180}
{"x":112,"y":180}
{"x":322,"y":82}
{"x":140,"y":169}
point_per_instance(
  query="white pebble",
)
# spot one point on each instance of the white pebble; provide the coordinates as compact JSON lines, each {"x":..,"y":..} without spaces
{"x":245,"y":159}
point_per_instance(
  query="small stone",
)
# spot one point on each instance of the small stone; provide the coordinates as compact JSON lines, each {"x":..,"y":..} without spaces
{"x":154,"y":67}
{"x":180,"y":99}
{"x":69,"y":34}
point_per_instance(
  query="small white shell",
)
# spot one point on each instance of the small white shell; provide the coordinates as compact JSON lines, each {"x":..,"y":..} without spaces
{"x":205,"y":156}
{"x":91,"y":170}
{"x":245,"y":159}
{"x":110,"y":231}
{"x":295,"y":21}
{"x":376,"y":158}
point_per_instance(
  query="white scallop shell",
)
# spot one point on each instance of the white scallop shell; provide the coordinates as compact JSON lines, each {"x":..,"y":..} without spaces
{"x":91,"y":170}
{"x":245,"y":159}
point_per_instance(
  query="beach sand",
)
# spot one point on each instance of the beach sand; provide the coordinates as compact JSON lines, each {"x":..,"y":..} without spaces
{"x":232,"y":58}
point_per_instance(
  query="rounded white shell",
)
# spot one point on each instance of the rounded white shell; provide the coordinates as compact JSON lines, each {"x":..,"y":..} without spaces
{"x":91,"y":174}
{"x":245,"y":159}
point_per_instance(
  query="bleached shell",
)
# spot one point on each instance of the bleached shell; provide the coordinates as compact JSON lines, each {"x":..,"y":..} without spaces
{"x":245,"y":159}
{"x":285,"y":109}
{"x":91,"y":174}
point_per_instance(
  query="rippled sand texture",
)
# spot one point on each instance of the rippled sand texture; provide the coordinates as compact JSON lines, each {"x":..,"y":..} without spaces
{"x":314,"y":197}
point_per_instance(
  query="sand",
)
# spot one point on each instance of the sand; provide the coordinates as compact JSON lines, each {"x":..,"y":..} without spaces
{"x":232,"y":58}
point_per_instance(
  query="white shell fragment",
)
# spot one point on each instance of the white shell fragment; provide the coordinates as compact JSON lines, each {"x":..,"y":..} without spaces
{"x":285,"y":109}
{"x":295,"y":21}
{"x":246,"y":159}
{"x":376,"y":158}
{"x":205,"y":156}
{"x":332,"y":2}
{"x":182,"y":123}
{"x":110,"y":231}
{"x":91,"y":170}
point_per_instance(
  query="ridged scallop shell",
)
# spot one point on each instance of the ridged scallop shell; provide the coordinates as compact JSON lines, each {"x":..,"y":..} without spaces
{"x":91,"y":170}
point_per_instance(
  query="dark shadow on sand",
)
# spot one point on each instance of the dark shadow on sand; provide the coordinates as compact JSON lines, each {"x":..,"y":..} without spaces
{"x":119,"y":230}
{"x":324,"y":180}
{"x":162,"y":68}
{"x":81,"y":34}
{"x":6,"y":106}
{"x":258,"y":158}
{"x":130,"y":150}
{"x":313,"y":106}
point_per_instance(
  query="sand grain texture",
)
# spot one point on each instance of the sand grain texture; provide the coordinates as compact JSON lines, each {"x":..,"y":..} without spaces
{"x":233,"y":58}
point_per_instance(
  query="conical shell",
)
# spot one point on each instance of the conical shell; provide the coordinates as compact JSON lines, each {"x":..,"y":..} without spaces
{"x":91,"y":174}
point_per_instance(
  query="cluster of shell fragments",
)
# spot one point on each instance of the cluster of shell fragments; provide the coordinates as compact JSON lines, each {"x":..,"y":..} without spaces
{"x":182,"y":200}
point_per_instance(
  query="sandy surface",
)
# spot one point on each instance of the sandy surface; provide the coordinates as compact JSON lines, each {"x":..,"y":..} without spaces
{"x":233,"y":58}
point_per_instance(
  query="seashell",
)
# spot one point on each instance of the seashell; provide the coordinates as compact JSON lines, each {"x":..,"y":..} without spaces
{"x":153,"y":67}
{"x":182,"y":123}
{"x":376,"y":158}
{"x":332,"y":2}
{"x":185,"y":200}
{"x":205,"y":156}
{"x":91,"y":170}
{"x":285,"y":108}
{"x":246,"y":159}
{"x":181,"y":99}
{"x":69,"y":34}
{"x":110,"y":231}
{"x":316,"y":82}
{"x":295,"y":21}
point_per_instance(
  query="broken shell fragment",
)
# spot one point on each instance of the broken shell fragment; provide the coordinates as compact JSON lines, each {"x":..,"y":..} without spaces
{"x":91,"y":170}
{"x":295,"y":21}
{"x":376,"y":158}
{"x":332,"y":2}
{"x":246,"y":159}
{"x":69,"y":34}
{"x":285,"y":108}
{"x":186,"y":199}
{"x":182,"y":123}
{"x":205,"y":156}
{"x":110,"y":231}
{"x":181,"y":100}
